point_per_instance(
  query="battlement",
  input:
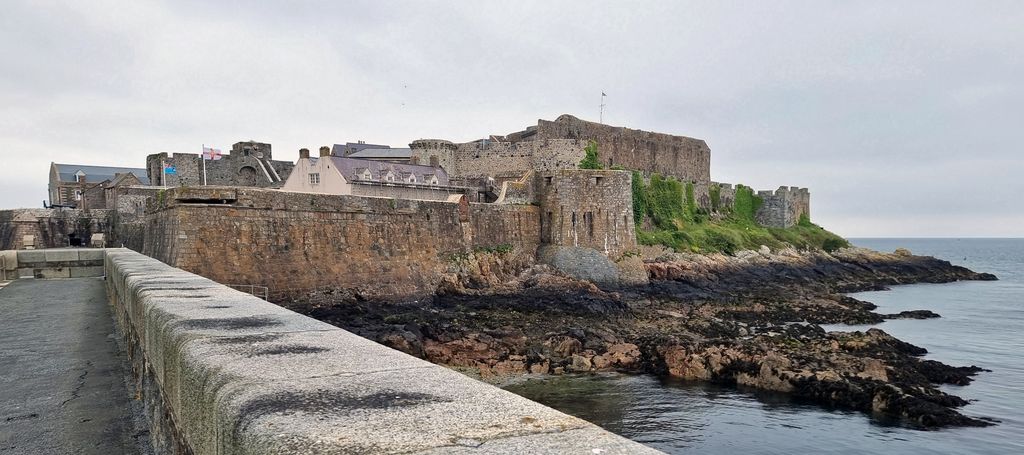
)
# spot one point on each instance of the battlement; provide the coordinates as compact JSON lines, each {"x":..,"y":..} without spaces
{"x":783,"y":207}
{"x":249,"y":163}
{"x":432,"y":144}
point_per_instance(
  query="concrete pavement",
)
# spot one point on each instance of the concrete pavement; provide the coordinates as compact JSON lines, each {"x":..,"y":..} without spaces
{"x":62,"y":374}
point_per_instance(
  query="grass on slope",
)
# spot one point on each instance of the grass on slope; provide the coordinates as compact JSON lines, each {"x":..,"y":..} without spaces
{"x":680,"y":224}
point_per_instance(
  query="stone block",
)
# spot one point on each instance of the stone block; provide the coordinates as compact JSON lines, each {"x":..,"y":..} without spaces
{"x":32,"y":257}
{"x":85,"y":272}
{"x":61,"y":255}
{"x":90,"y":255}
{"x":8,"y":260}
{"x":52,"y":272}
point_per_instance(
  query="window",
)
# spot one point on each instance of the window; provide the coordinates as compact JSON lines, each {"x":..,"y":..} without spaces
{"x":314,"y":178}
{"x":78,"y":195}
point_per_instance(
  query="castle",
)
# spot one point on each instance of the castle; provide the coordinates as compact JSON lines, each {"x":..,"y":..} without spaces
{"x":489,"y":164}
{"x":397,"y":216}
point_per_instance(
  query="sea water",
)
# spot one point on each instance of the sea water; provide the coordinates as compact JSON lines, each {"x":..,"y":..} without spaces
{"x":982,"y":324}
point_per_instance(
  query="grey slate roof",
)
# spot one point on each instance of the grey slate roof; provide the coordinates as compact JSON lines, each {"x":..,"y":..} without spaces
{"x":351,"y":167}
{"x":96,"y":174}
{"x":382,"y":154}
{"x":339,"y":149}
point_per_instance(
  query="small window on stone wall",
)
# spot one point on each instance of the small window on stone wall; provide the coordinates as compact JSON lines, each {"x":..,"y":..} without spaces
{"x":547,"y":180}
{"x":314,"y":178}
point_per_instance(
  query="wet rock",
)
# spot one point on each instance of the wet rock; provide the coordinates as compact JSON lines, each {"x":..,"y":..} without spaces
{"x":912,"y":314}
{"x":580,"y":363}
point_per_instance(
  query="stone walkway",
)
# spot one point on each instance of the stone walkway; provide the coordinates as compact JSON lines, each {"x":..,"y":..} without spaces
{"x":62,"y":374}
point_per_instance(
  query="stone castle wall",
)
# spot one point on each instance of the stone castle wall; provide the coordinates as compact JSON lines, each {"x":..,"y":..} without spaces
{"x":473,"y":161}
{"x":586,"y":208}
{"x":295,"y":243}
{"x":685,"y":158}
{"x":51,"y":228}
{"x":783,"y":207}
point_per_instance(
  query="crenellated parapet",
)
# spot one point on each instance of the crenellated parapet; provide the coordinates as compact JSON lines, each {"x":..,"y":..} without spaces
{"x":783,"y":207}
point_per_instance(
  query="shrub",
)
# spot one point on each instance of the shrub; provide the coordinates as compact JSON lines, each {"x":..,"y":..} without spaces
{"x":590,"y":160}
{"x":832,"y":243}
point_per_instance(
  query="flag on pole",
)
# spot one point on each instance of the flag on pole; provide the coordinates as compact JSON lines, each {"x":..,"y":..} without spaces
{"x":210,"y":153}
{"x":169,"y":169}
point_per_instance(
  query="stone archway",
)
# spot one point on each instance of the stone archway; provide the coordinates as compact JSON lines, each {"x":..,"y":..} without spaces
{"x":247,"y":176}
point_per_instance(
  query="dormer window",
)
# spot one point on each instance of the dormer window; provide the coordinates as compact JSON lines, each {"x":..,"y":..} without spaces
{"x":80,"y":176}
{"x":389,"y":176}
{"x":430,"y":179}
{"x":411,"y":178}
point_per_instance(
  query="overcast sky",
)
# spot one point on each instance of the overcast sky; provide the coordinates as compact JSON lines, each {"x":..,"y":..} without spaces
{"x":903,"y":118}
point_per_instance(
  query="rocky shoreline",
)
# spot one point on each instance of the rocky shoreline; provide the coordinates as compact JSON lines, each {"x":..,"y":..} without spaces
{"x":748,"y":320}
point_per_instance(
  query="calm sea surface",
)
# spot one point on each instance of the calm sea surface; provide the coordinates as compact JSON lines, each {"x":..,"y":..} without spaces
{"x":982,"y":324}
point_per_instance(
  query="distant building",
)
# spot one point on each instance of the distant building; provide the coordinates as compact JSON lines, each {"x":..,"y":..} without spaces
{"x":349,"y":148}
{"x":394,"y":155}
{"x":83,"y":186}
{"x":331,"y":174}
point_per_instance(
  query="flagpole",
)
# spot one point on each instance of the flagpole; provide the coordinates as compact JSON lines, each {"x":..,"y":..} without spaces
{"x":602,"y":108}
{"x":202,"y":156}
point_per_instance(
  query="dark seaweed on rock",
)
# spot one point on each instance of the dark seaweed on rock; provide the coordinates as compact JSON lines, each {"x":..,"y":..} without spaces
{"x":748,"y":320}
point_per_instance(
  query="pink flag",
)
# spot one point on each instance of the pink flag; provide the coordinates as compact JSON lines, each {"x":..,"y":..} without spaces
{"x":210,"y":153}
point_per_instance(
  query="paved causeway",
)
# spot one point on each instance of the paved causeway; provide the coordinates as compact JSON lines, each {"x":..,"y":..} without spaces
{"x":62,"y":376}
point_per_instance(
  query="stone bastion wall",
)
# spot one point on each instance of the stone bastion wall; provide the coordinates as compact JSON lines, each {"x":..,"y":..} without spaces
{"x":686,"y":158}
{"x":784,"y":206}
{"x":294,"y":243}
{"x":221,"y":371}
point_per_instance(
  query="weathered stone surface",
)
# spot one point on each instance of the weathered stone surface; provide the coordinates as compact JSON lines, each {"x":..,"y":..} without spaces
{"x":236,"y":374}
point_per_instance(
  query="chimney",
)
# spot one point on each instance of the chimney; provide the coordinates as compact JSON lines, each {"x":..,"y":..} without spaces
{"x":325,"y":151}
{"x":303,"y":153}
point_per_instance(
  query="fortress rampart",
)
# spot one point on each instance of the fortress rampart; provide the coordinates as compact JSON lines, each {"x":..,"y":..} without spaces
{"x":784,"y":206}
{"x":474,"y":162}
{"x":682,"y":157}
{"x":294,"y":243}
{"x":391,"y":248}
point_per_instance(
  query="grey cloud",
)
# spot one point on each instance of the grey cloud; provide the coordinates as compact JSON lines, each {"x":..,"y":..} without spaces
{"x":895,"y":114}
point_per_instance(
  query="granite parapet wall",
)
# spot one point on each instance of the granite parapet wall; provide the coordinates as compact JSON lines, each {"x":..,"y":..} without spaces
{"x":224,"y":372}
